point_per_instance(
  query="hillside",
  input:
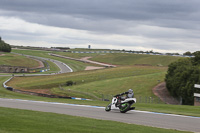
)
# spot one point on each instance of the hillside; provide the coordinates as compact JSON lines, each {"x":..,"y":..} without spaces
{"x":76,"y":66}
{"x":105,"y":81}
{"x":125,"y":58}
{"x":17,"y":60}
{"x":109,"y":58}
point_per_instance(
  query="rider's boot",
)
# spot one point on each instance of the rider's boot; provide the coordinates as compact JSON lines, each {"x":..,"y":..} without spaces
{"x":132,"y":108}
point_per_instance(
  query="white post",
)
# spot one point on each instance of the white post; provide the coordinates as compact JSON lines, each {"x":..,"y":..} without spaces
{"x":196,"y":95}
{"x":197,"y":86}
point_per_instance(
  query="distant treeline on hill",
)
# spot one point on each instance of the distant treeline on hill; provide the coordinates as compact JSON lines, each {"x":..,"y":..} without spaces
{"x":60,"y":49}
{"x":4,"y":47}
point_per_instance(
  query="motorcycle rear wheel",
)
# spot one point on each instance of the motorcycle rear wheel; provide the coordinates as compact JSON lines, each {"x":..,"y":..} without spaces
{"x":125,"y":107}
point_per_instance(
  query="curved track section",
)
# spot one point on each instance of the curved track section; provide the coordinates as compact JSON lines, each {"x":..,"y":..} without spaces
{"x":169,"y":121}
{"x":64,"y":68}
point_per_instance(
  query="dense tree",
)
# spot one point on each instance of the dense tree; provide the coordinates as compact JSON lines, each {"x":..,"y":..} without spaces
{"x":4,"y":47}
{"x":181,"y":77}
{"x":196,"y":59}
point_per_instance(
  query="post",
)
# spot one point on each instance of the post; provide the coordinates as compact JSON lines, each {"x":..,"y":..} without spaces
{"x":102,"y":97}
{"x":197,"y":86}
{"x":197,"y":96}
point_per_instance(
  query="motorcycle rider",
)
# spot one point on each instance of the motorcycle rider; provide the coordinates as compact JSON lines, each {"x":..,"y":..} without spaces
{"x":118,"y":101}
{"x":129,"y":94}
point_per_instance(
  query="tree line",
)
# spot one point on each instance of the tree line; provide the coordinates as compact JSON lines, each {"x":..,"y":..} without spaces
{"x":181,"y":77}
{"x":4,"y":47}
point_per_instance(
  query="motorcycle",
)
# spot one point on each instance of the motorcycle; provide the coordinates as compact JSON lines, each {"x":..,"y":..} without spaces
{"x":120,"y":103}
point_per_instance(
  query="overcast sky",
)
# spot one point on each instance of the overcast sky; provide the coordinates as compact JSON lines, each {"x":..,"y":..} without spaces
{"x":158,"y":25}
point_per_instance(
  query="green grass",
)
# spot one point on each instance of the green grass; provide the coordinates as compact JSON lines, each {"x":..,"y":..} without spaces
{"x":110,"y":58}
{"x":132,"y":59}
{"x":170,"y":109}
{"x":142,"y":86}
{"x":24,"y":121}
{"x":9,"y":94}
{"x":16,"y":60}
{"x":125,"y":58}
{"x":13,"y":95}
{"x":53,"y":67}
{"x":84,"y":77}
{"x":76,"y":66}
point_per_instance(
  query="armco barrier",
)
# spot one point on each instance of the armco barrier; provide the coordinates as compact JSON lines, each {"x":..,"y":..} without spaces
{"x":79,"y":98}
{"x":38,"y":94}
{"x":4,"y":84}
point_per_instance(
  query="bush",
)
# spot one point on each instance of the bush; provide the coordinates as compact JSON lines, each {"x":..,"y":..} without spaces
{"x":69,"y":83}
{"x":4,"y":47}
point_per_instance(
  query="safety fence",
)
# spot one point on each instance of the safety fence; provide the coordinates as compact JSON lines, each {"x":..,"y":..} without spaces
{"x":148,"y":99}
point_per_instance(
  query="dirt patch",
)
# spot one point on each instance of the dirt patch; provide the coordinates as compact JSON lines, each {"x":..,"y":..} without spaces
{"x":85,"y":58}
{"x":93,"y":68}
{"x":161,"y":91}
{"x":2,"y":54}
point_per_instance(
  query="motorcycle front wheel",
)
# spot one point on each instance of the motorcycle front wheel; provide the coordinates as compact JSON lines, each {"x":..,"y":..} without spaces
{"x":108,"y":108}
{"x":125,"y":107}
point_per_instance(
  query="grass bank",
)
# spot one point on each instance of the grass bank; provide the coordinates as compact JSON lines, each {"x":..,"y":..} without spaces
{"x":107,"y":81}
{"x":141,"y":84}
{"x":164,"y":108}
{"x":125,"y":58}
{"x":16,"y":60}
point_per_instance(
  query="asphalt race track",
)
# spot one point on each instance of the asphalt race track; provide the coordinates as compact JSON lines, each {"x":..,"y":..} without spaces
{"x":169,"y":121}
{"x":64,"y":68}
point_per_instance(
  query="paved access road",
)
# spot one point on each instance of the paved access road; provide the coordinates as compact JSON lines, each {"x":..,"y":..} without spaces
{"x":177,"y":122}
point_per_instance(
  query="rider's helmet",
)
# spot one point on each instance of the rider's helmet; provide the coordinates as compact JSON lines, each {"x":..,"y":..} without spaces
{"x":130,"y":91}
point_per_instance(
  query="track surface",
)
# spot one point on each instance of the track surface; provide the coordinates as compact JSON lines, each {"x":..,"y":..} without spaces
{"x":177,"y":122}
{"x":63,"y":67}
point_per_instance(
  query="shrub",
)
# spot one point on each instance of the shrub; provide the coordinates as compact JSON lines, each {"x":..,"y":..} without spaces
{"x":69,"y":83}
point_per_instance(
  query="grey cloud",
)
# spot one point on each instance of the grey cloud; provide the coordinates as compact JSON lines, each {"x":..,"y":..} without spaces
{"x":112,"y":9}
{"x":87,"y":14}
{"x":180,"y":18}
